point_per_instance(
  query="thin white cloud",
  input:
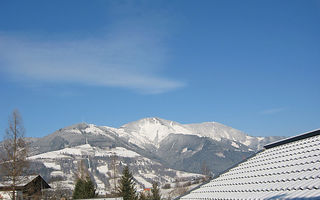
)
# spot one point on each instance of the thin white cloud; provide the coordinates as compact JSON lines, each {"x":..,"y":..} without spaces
{"x":133,"y":61}
{"x":272,"y":111}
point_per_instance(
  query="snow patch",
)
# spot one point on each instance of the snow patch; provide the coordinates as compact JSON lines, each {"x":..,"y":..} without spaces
{"x":260,"y":138}
{"x":183,"y":174}
{"x":141,"y":180}
{"x":150,"y":176}
{"x":125,"y":152}
{"x":92,"y":129}
{"x":76,"y":131}
{"x":52,"y":165}
{"x":66,"y":153}
{"x":56,"y":173}
{"x":119,"y":151}
{"x":220,"y":154}
{"x":49,"y":155}
{"x":103,"y":169}
{"x":184,"y":150}
{"x":85,"y":149}
{"x":235,"y":145}
{"x":249,"y":140}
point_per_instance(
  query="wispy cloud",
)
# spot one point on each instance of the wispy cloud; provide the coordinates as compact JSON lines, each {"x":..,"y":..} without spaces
{"x":112,"y":61}
{"x":122,"y":58}
{"x":272,"y":111}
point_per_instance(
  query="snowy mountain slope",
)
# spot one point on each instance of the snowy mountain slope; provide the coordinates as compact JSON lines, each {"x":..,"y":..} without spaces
{"x":217,"y":131}
{"x":155,"y":149}
{"x":148,"y":137}
{"x":79,"y":134}
{"x":191,"y":152}
{"x":62,"y":166}
{"x":145,"y":134}
{"x":153,"y":130}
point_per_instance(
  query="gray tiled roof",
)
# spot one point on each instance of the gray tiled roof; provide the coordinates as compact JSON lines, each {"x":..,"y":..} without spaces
{"x":22,"y":181}
{"x":289,"y":169}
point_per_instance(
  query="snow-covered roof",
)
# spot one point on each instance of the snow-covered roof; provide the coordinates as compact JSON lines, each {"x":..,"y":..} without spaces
{"x":288,"y":169}
{"x":21,"y":181}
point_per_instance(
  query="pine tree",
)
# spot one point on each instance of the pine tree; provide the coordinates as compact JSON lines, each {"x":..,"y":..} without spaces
{"x":127,"y":186}
{"x":90,"y":189}
{"x":155,"y":191}
{"x":84,"y":189}
{"x":78,"y":192}
{"x":84,"y":186}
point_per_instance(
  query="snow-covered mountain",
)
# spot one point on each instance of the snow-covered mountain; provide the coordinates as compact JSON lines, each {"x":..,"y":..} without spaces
{"x":155,"y":149}
{"x":151,"y":131}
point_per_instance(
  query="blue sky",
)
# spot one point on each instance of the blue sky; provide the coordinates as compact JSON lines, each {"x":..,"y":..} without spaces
{"x":252,"y":65}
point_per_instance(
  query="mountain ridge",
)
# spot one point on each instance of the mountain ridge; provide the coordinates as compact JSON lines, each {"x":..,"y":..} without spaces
{"x":160,"y":128}
{"x":154,"y":148}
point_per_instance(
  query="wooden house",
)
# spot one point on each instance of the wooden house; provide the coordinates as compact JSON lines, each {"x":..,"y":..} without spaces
{"x":29,"y":187}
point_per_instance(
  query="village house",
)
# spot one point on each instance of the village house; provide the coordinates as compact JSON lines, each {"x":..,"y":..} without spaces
{"x":30,"y":187}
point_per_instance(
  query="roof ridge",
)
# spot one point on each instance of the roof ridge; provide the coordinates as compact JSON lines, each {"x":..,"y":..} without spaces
{"x":293,"y":139}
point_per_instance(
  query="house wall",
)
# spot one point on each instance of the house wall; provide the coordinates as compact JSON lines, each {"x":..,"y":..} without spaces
{"x":6,"y":195}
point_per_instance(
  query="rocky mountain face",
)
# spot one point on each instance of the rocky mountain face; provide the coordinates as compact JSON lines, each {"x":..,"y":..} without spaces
{"x":155,"y":149}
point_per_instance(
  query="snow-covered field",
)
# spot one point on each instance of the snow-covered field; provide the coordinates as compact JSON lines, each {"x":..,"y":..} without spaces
{"x":64,"y":164}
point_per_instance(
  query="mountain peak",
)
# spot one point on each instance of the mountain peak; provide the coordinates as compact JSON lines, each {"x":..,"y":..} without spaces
{"x":154,"y":128}
{"x":148,"y":121}
{"x":153,"y":120}
{"x":81,"y":125}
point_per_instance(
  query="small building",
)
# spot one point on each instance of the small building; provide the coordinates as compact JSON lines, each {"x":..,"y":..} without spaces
{"x":29,"y":187}
{"x":287,"y":169}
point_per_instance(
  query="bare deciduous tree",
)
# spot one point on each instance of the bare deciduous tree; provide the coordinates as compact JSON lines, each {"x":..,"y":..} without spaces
{"x":14,"y":157}
{"x":114,"y":172}
{"x":83,"y":172}
{"x":205,"y":171}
